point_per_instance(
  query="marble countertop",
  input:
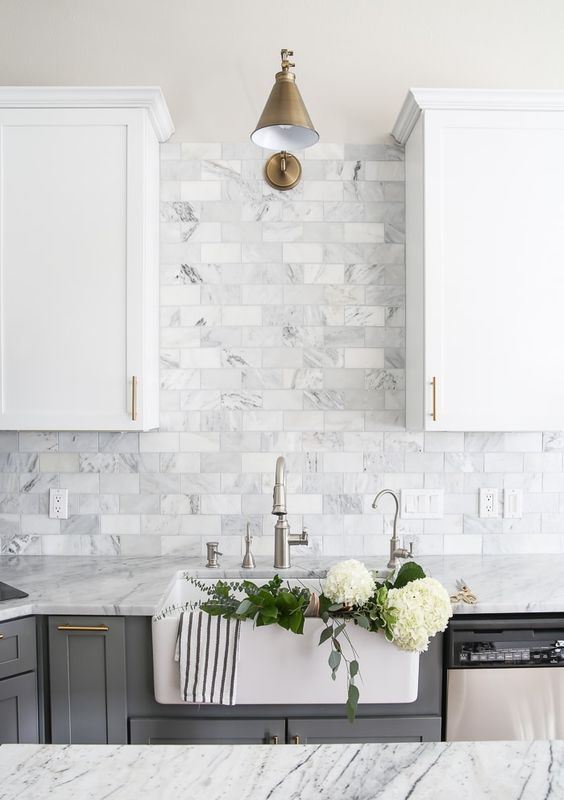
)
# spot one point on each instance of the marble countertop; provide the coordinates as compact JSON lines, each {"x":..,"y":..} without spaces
{"x":112,"y":585}
{"x":432,"y":770}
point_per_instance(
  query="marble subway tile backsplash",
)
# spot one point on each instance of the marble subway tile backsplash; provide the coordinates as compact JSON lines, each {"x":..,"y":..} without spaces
{"x":282,"y":331}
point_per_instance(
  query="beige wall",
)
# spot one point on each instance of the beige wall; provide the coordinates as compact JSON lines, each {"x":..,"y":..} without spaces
{"x":215,"y":59}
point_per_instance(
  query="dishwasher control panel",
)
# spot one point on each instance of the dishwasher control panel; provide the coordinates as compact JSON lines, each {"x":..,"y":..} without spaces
{"x":509,"y":654}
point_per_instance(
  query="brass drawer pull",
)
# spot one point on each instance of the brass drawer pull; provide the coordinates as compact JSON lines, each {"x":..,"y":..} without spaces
{"x":99,"y":628}
{"x":274,"y":740}
{"x":434,"y":411}
{"x":296,"y":740}
{"x":134,"y":398}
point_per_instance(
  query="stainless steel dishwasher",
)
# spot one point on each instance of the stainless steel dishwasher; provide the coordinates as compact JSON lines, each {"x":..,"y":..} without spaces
{"x":505,"y":679}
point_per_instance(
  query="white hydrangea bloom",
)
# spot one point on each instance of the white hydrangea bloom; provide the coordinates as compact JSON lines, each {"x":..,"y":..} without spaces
{"x":350,"y":583}
{"x":423,"y":609}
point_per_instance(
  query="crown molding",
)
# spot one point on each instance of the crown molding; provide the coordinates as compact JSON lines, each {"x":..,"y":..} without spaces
{"x":419,"y":100}
{"x":150,"y":98}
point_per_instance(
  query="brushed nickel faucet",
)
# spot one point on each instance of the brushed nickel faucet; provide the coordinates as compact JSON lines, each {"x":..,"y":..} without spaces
{"x":283,"y":539}
{"x":395,"y":551}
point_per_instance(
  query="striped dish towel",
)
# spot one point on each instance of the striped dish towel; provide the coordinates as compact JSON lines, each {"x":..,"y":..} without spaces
{"x":208,"y":651}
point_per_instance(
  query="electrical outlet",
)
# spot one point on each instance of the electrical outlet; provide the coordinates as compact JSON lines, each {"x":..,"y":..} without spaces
{"x":489,"y":499}
{"x":513,"y":504}
{"x":59,"y":503}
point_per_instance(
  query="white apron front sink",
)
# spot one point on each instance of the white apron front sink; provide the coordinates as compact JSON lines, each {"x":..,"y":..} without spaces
{"x":280,"y":667}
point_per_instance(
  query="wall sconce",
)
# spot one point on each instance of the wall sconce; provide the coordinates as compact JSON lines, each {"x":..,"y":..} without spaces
{"x":283,"y":125}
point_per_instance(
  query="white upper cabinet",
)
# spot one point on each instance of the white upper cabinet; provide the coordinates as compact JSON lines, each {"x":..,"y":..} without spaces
{"x":79,"y":173}
{"x":485,"y":259}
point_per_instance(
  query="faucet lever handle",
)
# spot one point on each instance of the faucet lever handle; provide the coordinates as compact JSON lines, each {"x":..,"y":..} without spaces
{"x":411,"y":549}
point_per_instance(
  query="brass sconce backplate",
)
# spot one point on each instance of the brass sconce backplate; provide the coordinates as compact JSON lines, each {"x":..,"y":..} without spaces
{"x":283,"y":171}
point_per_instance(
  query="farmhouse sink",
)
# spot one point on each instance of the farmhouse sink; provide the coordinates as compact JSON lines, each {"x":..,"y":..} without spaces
{"x":279,"y":667}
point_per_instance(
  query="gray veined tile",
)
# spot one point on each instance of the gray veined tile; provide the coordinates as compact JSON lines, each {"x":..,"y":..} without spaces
{"x":261,"y":378}
{"x":19,"y":462}
{"x":323,"y":399}
{"x":342,"y":504}
{"x":403,"y":442}
{"x":18,"y":544}
{"x":38,"y":442}
{"x":229,"y":169}
{"x":484,"y":442}
{"x":119,"y":442}
{"x":178,"y":211}
{"x":323,"y":357}
{"x":81,"y":524}
{"x":38,"y":482}
{"x":241,"y":400}
{"x":201,"y":483}
{"x":385,"y":379}
{"x":302,"y":378}
{"x":348,"y":336}
{"x":169,"y":359}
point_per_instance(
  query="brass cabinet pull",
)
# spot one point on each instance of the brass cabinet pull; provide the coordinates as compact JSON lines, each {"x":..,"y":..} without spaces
{"x":296,"y":740}
{"x":434,"y":411}
{"x":134,"y":398}
{"x":98,"y":628}
{"x":274,"y":740}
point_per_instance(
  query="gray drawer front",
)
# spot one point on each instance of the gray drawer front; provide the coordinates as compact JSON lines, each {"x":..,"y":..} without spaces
{"x":206,"y":731}
{"x":18,"y":710}
{"x":374,"y":729}
{"x":17,"y":647}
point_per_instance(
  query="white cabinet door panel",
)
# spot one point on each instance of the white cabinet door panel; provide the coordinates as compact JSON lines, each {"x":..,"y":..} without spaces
{"x":71,"y":270}
{"x":493,"y":287}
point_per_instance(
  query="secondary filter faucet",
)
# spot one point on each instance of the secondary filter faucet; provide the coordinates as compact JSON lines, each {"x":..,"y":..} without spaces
{"x":248,"y":558}
{"x":395,"y":551}
{"x":283,"y":539}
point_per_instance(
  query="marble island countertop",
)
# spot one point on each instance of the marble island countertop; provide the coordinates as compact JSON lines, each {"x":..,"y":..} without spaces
{"x":504,"y":584}
{"x":429,"y":771}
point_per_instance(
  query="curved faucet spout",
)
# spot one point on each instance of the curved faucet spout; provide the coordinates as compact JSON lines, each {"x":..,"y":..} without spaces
{"x":395,"y":551}
{"x":279,"y":495}
{"x":280,"y":474}
{"x":393,"y":494}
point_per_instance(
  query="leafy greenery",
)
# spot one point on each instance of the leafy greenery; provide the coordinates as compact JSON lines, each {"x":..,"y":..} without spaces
{"x":270,"y":604}
{"x":277,"y":603}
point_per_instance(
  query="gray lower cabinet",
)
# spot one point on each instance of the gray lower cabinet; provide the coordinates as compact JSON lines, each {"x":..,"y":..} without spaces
{"x":374,"y":729}
{"x":87,"y":680}
{"x":18,"y":709}
{"x":207,"y":731}
{"x":19,"y":717}
{"x":18,"y":652}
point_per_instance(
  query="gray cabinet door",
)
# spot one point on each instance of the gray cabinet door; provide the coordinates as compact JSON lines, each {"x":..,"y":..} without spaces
{"x":207,"y":731}
{"x":18,"y":710}
{"x":87,"y":677}
{"x":373,"y":729}
{"x":17,"y":647}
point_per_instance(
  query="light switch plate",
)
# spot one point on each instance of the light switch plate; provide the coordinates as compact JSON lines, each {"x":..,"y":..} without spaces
{"x":422,"y":503}
{"x":513,"y":503}
{"x":489,"y":503}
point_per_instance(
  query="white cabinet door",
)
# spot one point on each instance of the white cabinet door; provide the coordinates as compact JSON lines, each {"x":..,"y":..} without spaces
{"x":486,"y":271}
{"x":78,"y":296}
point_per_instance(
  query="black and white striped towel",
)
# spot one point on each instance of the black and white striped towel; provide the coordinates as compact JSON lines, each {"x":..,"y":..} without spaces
{"x":208,"y":651}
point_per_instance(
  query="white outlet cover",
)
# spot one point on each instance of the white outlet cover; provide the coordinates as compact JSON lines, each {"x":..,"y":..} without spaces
{"x":489,"y":503}
{"x":59,"y":503}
